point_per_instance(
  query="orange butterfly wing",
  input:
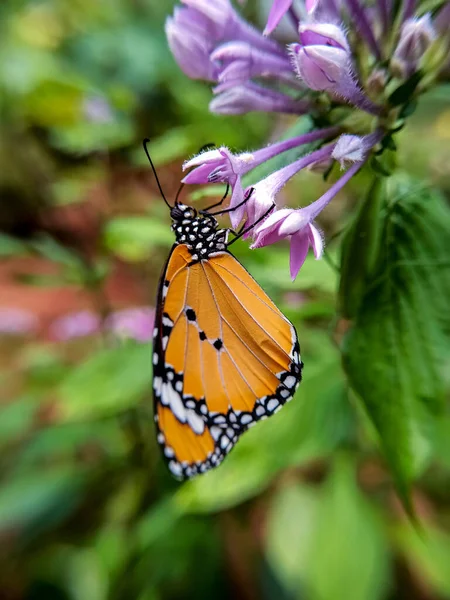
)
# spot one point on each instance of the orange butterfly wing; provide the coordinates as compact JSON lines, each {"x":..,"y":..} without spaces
{"x":224,"y":358}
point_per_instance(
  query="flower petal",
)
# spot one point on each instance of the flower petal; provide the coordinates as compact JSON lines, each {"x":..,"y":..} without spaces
{"x":274,"y":219}
{"x":204,"y":157}
{"x":237,"y":197}
{"x":198,"y":175}
{"x":278,"y":10}
{"x":292,"y":224}
{"x":299,"y":250}
{"x":316,"y":241}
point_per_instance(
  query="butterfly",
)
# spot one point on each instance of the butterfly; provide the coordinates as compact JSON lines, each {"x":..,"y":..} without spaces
{"x":224,"y":356}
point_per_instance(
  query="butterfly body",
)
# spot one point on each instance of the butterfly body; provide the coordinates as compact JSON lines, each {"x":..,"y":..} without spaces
{"x":224,"y":356}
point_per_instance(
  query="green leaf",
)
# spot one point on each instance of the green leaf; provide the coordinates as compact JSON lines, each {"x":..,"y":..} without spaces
{"x":109,"y":382}
{"x":291,"y":525}
{"x":405,"y":91}
{"x":348,"y":544}
{"x":133,"y":238}
{"x":38,"y":501}
{"x":10,"y":246}
{"x":428,"y":555}
{"x":360,"y":248}
{"x":394,"y":350}
{"x":49,"y":248}
{"x":327,"y":543}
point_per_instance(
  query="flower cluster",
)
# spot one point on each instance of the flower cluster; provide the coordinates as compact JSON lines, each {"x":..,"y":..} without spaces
{"x":347,"y":57}
{"x":134,"y":323}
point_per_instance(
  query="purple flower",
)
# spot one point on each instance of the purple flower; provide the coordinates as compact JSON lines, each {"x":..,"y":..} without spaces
{"x":293,"y":224}
{"x":221,"y":165}
{"x":198,"y":27}
{"x":190,"y":35}
{"x":240,"y":61}
{"x":135,"y":323}
{"x":75,"y":325}
{"x":16,"y":321}
{"x":298,"y":225}
{"x":261,"y":196}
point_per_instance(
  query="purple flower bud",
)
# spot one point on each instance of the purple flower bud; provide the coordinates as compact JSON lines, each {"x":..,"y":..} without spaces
{"x":351,"y":149}
{"x":322,"y":60}
{"x":325,"y":34}
{"x":321,"y":67}
{"x":415,"y":38}
{"x":442,"y":20}
{"x":250,"y":97}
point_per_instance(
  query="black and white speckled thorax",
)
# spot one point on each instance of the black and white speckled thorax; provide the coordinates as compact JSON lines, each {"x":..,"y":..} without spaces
{"x":200,"y":232}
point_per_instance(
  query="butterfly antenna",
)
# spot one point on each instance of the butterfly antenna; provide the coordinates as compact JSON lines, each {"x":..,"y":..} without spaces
{"x":144,"y":143}
{"x":178,"y":193}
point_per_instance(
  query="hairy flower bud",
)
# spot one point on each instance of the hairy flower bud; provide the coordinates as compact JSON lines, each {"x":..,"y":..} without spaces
{"x":416,"y":37}
{"x":320,"y":67}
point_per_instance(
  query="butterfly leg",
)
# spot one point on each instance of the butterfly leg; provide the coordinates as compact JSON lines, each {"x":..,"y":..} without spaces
{"x":206,"y":210}
{"x":243,"y":230}
{"x":228,"y":210}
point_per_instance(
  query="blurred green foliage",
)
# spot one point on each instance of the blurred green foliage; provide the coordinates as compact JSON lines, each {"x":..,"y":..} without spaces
{"x":305,"y":506}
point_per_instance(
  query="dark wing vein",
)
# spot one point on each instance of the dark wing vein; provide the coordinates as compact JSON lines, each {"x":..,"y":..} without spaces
{"x":276,"y":343}
{"x":221,"y":336}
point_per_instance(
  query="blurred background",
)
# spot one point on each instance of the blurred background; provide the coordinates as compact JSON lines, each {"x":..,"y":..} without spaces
{"x":304,"y":507}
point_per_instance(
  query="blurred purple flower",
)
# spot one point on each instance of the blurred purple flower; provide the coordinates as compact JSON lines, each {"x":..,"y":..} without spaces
{"x":135,"y":323}
{"x":249,"y":97}
{"x":97,"y":110}
{"x":16,"y":321}
{"x":75,"y":325}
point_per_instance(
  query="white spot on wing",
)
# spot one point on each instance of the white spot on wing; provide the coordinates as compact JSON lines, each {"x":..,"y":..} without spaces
{"x":195,"y":421}
{"x":272,"y":404}
{"x":290,"y":381}
{"x":246,"y":419}
{"x":172,"y":398}
{"x":175,"y":468}
{"x":157,"y":383}
{"x":259,"y":410}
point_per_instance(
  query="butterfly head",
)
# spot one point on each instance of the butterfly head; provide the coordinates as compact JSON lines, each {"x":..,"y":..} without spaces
{"x":199,"y":231}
